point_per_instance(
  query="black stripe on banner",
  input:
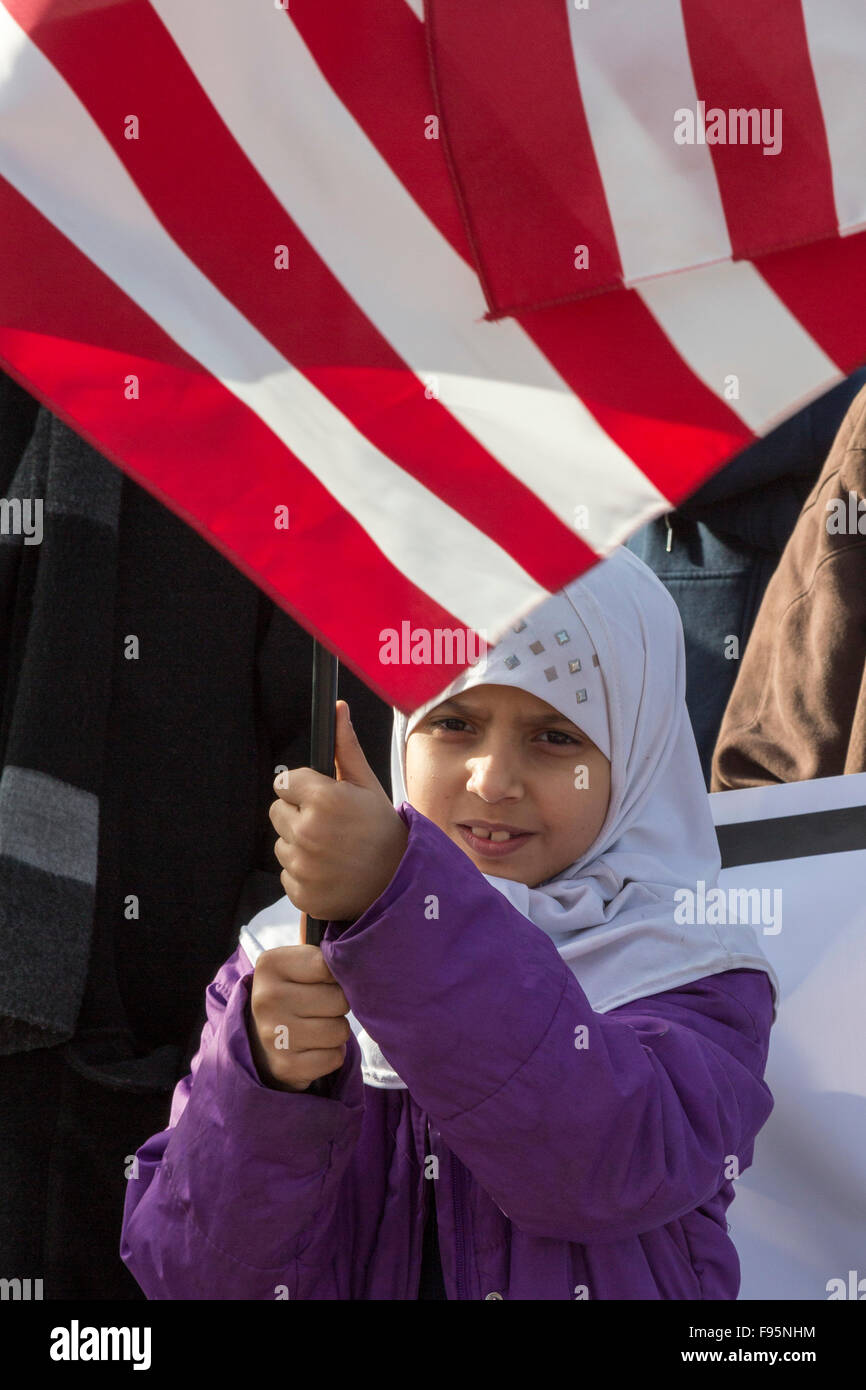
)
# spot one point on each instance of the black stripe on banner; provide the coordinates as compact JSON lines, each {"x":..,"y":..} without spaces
{"x":792,"y":837}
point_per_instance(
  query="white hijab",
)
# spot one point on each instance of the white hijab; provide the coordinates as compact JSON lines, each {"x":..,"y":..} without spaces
{"x":607,"y":652}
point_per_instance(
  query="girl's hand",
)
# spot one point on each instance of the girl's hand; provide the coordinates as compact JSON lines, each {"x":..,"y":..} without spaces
{"x":299,"y":1030}
{"x":340,"y":841}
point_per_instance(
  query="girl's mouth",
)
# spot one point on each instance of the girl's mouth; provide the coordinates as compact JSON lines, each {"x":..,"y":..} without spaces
{"x":493,"y":844}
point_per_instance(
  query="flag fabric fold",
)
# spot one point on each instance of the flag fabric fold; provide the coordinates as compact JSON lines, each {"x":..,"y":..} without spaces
{"x":427,"y":307}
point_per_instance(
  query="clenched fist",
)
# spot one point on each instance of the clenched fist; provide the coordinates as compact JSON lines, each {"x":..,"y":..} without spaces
{"x":299,"y":1030}
{"x":340,"y":841}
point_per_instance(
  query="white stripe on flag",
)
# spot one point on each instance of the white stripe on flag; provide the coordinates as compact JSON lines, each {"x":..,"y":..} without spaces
{"x":56,"y":156}
{"x":400,"y":270}
{"x":634,"y":72}
{"x":725,"y":321}
{"x":417,"y":7}
{"x":836,"y":31}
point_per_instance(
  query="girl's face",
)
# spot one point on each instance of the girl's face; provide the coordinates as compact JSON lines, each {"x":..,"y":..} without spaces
{"x":495,"y":759}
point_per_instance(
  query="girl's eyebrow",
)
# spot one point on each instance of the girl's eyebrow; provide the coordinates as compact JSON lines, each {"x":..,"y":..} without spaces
{"x":465,"y":712}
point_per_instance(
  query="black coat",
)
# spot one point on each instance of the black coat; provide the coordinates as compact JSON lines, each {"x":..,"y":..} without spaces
{"x":190,"y":756}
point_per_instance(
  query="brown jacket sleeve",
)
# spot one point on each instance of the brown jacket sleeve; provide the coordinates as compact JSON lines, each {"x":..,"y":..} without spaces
{"x":798,"y":708}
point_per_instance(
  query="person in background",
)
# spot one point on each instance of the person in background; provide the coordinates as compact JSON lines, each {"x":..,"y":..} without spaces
{"x":798,"y":708}
{"x":717,"y":552}
{"x":149,"y":692}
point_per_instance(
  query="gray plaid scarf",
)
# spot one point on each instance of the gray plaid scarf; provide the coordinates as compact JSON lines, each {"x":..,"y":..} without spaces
{"x":55,"y":682}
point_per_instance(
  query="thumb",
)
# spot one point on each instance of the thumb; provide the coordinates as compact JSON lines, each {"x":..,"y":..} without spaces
{"x":349,"y":759}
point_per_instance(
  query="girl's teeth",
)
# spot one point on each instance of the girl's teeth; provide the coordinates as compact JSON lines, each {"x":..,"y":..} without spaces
{"x":483,"y":834}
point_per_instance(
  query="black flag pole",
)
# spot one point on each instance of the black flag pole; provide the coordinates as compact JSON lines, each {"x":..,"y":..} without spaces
{"x":322,"y":739}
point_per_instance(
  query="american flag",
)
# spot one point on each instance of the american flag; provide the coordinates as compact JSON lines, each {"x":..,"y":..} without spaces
{"x":415,"y":312}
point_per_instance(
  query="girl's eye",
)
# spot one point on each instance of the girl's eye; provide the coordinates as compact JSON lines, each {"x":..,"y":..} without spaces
{"x":555,"y":733}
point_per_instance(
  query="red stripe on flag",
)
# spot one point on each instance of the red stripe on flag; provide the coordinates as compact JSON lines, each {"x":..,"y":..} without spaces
{"x":520,"y":150}
{"x":182,"y":163}
{"x":752,"y":56}
{"x":825,"y":288}
{"x":639,"y":389}
{"x":74,"y":351}
{"x":375,"y":58}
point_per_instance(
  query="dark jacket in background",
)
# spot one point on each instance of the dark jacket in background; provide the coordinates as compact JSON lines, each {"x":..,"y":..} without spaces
{"x":798,"y":709}
{"x":717,"y":552}
{"x":194,"y":735}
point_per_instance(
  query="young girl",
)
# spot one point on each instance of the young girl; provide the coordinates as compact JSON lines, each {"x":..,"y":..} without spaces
{"x":516,"y":1043}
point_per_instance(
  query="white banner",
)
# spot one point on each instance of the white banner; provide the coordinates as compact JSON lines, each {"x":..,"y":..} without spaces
{"x":799,"y":1217}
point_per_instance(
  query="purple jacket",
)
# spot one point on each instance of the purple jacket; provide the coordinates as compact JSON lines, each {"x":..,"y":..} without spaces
{"x":563,"y":1171}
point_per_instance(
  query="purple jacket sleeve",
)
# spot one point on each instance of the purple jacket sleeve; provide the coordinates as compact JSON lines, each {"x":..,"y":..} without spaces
{"x":478,"y":1014}
{"x":199,"y":1218}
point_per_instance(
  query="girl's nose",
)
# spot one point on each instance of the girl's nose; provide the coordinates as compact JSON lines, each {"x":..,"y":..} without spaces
{"x":493,"y":778}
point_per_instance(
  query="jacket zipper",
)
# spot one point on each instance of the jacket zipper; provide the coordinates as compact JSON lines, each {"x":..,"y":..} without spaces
{"x":457,"y":1195}
{"x":459,"y":1239}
